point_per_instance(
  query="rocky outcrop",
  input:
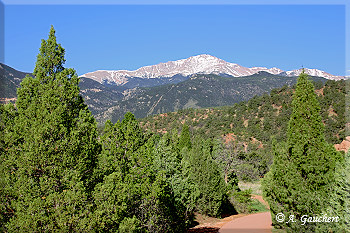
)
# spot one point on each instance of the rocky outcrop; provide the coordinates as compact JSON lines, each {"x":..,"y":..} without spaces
{"x":344,"y":145}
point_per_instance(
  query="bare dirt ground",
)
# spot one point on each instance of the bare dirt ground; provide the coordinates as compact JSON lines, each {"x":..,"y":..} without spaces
{"x":212,"y":225}
{"x":253,"y":223}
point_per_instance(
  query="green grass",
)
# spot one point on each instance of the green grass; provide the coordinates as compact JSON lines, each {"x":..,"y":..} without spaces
{"x":278,"y":230}
{"x":257,"y":207}
{"x":255,"y":187}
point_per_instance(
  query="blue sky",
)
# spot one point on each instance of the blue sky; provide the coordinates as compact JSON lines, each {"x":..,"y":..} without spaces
{"x":131,"y":36}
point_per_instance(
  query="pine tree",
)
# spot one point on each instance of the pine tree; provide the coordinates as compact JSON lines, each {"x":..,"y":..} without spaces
{"x":55,"y":149}
{"x":303,"y":172}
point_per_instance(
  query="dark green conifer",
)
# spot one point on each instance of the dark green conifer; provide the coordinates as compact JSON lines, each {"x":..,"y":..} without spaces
{"x":7,"y":164}
{"x":167,"y":161}
{"x":54,"y":150}
{"x":185,"y":138}
{"x":133,"y":193}
{"x":303,"y":172}
{"x":209,"y":188}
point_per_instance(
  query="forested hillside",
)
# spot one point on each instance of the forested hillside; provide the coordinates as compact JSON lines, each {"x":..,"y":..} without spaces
{"x":200,"y":91}
{"x":112,"y":102}
{"x":249,"y":126}
{"x":9,"y":80}
{"x":261,"y":116}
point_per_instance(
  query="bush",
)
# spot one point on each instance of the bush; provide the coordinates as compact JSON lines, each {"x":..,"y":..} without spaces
{"x":130,"y":225}
{"x":242,"y":201}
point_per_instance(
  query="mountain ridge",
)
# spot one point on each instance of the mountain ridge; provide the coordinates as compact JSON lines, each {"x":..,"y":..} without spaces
{"x":199,"y":91}
{"x":147,"y":97}
{"x":199,"y":64}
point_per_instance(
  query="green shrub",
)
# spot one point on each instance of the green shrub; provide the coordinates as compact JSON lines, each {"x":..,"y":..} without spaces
{"x":242,"y":201}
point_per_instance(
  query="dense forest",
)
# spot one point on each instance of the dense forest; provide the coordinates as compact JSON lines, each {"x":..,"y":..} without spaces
{"x":62,"y":173}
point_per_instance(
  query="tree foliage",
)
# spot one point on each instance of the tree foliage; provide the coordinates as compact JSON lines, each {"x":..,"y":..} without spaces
{"x":256,"y":120}
{"x":303,"y":173}
{"x":204,"y":173}
{"x":131,"y":195}
{"x":7,"y":164}
{"x":58,"y":176}
{"x":53,"y":148}
{"x":185,"y":138}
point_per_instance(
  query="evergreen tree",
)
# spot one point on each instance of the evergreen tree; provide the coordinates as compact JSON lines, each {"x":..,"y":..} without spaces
{"x":185,"y":138}
{"x":55,"y":148}
{"x":119,"y":143}
{"x":339,"y":199}
{"x":226,"y":156}
{"x":209,"y":190}
{"x":7,"y":164}
{"x":167,"y":160}
{"x":132,"y":195}
{"x":303,"y":172}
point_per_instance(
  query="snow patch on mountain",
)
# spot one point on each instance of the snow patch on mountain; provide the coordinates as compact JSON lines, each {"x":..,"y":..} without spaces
{"x":313,"y":72}
{"x":200,"y":64}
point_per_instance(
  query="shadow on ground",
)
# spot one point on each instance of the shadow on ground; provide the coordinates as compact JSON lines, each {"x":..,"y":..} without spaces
{"x":204,"y":229}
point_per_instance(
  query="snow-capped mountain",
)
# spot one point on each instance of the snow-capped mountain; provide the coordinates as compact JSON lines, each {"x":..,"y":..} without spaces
{"x":202,"y":64}
{"x":312,"y":72}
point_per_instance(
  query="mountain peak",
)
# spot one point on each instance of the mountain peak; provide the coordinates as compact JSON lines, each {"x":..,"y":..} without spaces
{"x":198,"y":64}
{"x":205,"y":56}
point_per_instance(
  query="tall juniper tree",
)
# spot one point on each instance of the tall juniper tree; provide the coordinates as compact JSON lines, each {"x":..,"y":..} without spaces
{"x":185,"y":138}
{"x":132,"y":196}
{"x":7,"y":164}
{"x":206,"y":183}
{"x":55,"y":148}
{"x":303,"y":173}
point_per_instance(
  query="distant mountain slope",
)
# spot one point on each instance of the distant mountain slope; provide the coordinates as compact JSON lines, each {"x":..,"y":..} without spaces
{"x":260,"y":117}
{"x":97,"y":96}
{"x":200,"y":64}
{"x":199,"y":91}
{"x":9,"y":82}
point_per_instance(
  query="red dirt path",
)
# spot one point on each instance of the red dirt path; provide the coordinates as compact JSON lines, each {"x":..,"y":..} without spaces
{"x":253,"y":223}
